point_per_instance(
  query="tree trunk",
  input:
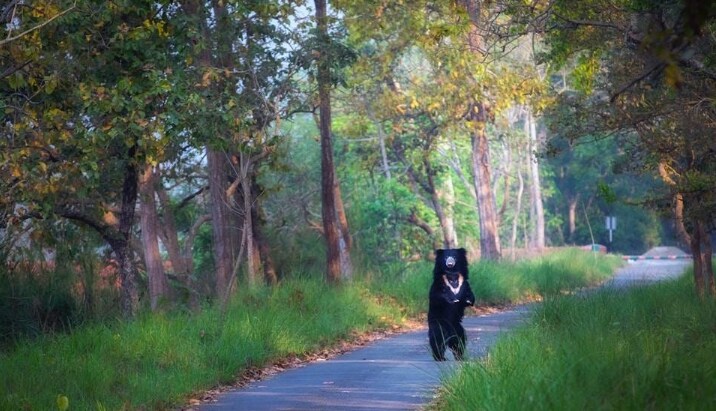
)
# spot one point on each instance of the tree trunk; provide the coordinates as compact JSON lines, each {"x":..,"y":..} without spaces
{"x":572,"y":203}
{"x":518,"y":210}
{"x":269,"y":269}
{"x":252,"y":254}
{"x":535,"y":185}
{"x":506,"y":172}
{"x":222,"y":221}
{"x":444,"y":214}
{"x":707,"y":256}
{"x":489,"y":235}
{"x":129,"y":294}
{"x":383,"y":152}
{"x":345,"y":242}
{"x":158,"y":285}
{"x":698,"y":258}
{"x":331,"y":229}
{"x":181,"y":259}
{"x":699,"y":242}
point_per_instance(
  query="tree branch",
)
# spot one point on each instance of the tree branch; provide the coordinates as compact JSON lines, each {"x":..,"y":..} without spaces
{"x":654,"y":68}
{"x":183,"y":203}
{"x":36,"y":27}
{"x":193,"y":232}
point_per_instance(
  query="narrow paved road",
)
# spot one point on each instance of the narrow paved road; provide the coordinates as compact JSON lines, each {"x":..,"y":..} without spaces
{"x":397,"y":373}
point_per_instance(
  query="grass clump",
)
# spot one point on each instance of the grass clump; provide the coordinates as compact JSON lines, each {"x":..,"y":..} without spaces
{"x":645,"y":348}
{"x":551,"y":274}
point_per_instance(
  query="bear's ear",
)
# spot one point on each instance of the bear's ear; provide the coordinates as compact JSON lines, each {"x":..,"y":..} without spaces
{"x":439,"y":252}
{"x":462,"y":252}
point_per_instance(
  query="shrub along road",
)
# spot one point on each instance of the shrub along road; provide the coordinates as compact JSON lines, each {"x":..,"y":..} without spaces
{"x":398,"y":373}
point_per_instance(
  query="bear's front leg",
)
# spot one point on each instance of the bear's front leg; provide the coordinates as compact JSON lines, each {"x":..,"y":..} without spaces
{"x":457,"y":344}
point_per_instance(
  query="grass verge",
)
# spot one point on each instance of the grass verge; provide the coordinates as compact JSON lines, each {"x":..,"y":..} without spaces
{"x":645,"y":348}
{"x":158,"y":361}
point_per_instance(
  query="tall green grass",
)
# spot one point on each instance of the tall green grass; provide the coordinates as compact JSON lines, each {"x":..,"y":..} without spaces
{"x":646,"y":348}
{"x":159,"y":360}
{"x":554,"y":273}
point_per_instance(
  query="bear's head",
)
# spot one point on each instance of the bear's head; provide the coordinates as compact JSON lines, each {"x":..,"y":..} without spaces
{"x":451,"y":266}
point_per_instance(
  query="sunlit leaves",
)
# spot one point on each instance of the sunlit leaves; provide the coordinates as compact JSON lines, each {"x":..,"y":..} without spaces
{"x":585,"y":71}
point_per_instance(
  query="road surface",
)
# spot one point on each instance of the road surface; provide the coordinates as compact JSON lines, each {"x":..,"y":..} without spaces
{"x":398,"y":373}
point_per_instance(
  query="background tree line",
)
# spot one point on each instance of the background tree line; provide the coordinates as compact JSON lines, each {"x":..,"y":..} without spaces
{"x":197,"y":145}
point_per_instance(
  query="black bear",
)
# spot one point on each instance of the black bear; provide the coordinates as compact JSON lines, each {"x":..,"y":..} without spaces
{"x":450,"y":293}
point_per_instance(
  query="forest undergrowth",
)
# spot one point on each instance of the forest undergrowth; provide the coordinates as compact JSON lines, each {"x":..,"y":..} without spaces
{"x":160,"y":361}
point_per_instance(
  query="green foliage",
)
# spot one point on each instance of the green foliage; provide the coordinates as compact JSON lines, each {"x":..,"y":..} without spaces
{"x":594,"y":173}
{"x":637,"y":349}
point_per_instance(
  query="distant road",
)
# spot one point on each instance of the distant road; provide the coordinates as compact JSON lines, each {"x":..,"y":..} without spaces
{"x":398,"y":373}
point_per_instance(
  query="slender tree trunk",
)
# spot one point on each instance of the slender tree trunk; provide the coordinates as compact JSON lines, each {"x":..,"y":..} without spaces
{"x":707,"y":255}
{"x":181,"y":259}
{"x":445,"y":214}
{"x":169,"y":235}
{"x":345,"y":242}
{"x":506,"y":172}
{"x":701,"y":251}
{"x":252,"y":260}
{"x":149,"y":222}
{"x":385,"y":166}
{"x":331,"y":229}
{"x":518,"y":210}
{"x":697,"y":256}
{"x":535,"y":184}
{"x":489,"y":235}
{"x":383,"y":152}
{"x":572,"y":216}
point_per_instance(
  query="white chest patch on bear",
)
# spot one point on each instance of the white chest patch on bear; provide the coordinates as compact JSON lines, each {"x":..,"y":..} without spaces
{"x":455,"y":290}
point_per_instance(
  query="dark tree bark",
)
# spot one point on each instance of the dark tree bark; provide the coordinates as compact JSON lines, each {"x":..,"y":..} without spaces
{"x":127,"y":269}
{"x":331,"y":224}
{"x":262,"y":245}
{"x":222,"y":221}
